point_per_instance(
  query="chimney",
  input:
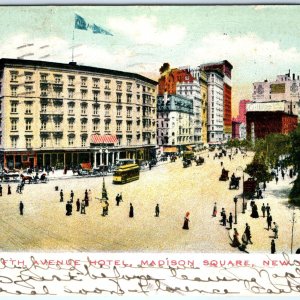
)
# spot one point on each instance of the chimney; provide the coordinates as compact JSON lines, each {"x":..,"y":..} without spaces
{"x":293,"y":76}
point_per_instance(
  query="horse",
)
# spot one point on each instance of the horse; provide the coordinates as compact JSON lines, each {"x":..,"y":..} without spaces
{"x":24,"y":178}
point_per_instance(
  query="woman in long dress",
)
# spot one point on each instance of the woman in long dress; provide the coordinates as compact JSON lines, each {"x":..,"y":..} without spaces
{"x":215,"y":210}
{"x":186,"y":221}
{"x":131,"y":213}
{"x":235,"y":242}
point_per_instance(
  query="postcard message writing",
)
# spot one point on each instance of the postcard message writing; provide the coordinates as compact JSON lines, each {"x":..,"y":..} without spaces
{"x":148,"y":274}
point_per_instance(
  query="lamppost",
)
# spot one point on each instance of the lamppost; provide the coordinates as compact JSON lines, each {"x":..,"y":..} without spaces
{"x":293,"y":220}
{"x":240,"y":168}
{"x":235,"y":199}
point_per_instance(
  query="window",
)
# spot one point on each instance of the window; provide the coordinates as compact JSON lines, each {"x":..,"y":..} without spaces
{"x":83,"y":141}
{"x":129,"y":110}
{"x":96,"y":82}
{"x":14,"y":90}
{"x":107,"y":126}
{"x":43,"y":142}
{"x":83,"y":81}
{"x":13,"y":76}
{"x":14,"y":124}
{"x":28,"y":125}
{"x":71,"y":80}
{"x":107,"y":83}
{"x":95,"y":125}
{"x":28,"y":142}
{"x":128,"y":141}
{"x":71,"y":141}
{"x":107,"y":110}
{"x":28,"y":76}
{"x":83,"y":126}
{"x":96,"y":95}
{"x":107,"y":96}
{"x":14,"y":140}
{"x":71,"y":125}
{"x":71,"y":93}
{"x":14,"y":107}
{"x":44,"y":126}
{"x":57,"y":125}
{"x":119,"y":85}
{"x":57,"y":79}
{"x":57,"y":141}
{"x":119,"y":97}
{"x":71,"y":108}
{"x":129,"y":98}
{"x":128,"y":125}
{"x":83,"y":94}
{"x":28,"y":107}
{"x":44,"y":108}
{"x":118,"y":112}
{"x":128,"y":87}
{"x":44,"y":77}
{"x":83,"y":109}
{"x":95,"y":109}
{"x":119,"y":125}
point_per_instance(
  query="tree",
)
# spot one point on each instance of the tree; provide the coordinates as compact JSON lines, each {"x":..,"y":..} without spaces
{"x":259,"y":171}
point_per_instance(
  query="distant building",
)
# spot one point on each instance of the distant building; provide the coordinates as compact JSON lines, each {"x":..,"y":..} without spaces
{"x":235,"y":129}
{"x":174,"y":123}
{"x":271,"y":117}
{"x":239,"y":123}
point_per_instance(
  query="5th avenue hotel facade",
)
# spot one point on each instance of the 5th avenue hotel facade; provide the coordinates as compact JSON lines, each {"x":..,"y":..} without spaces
{"x":59,"y":115}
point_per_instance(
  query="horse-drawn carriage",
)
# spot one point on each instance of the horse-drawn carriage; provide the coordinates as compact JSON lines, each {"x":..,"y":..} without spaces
{"x":234,"y":183}
{"x":173,"y":158}
{"x":34,"y":179}
{"x":250,"y":188}
{"x":187,"y":163}
{"x":224,"y":175}
{"x":6,"y":176}
{"x":199,"y":161}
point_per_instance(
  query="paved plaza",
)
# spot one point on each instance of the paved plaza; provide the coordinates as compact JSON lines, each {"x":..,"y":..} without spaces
{"x":45,"y":226}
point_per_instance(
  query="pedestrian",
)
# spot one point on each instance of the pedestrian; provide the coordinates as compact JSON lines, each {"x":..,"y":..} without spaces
{"x":275,"y":230}
{"x":131,"y":211}
{"x":21,"y":207}
{"x":264,"y":186}
{"x":0,"y":190}
{"x":150,"y":166}
{"x":263,"y":210}
{"x":224,"y":219}
{"x":72,"y":196}
{"x":82,"y":209}
{"x":282,"y":174}
{"x":291,"y":173}
{"x":254,"y":213}
{"x":118,"y":200}
{"x":61,"y":196}
{"x":276,"y":178}
{"x":269,"y":222}
{"x":106,"y":207}
{"x":221,"y":213}
{"x":186,"y":221}
{"x":268,"y":209}
{"x":259,"y":193}
{"x":235,"y":242}
{"x":8,"y":190}
{"x":157,"y":210}
{"x":221,"y":164}
{"x":248,"y":233}
{"x":78,"y":204}
{"x":273,"y":248}
{"x":68,"y":208}
{"x":86,"y":198}
{"x":230,"y":220}
{"x":215,"y":210}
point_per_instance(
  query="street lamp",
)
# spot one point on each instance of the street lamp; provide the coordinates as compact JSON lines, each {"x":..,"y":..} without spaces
{"x":293,"y":220}
{"x":235,"y":199}
{"x":240,"y":168}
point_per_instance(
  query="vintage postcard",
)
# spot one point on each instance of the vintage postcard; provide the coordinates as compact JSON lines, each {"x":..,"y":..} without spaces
{"x":150,"y":150}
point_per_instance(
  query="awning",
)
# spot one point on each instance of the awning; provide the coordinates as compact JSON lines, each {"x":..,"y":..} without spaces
{"x":190,"y":147}
{"x":103,"y":139}
{"x":170,"y":149}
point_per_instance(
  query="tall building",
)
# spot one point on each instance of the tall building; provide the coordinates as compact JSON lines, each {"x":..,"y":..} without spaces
{"x":55,"y":114}
{"x":285,"y":87}
{"x":174,"y":123}
{"x":225,"y":68}
{"x":239,"y":123}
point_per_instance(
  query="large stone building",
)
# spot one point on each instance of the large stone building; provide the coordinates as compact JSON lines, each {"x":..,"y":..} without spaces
{"x":264,"y":118}
{"x":55,"y":114}
{"x":174,"y":123}
{"x":225,"y":68}
{"x":285,"y":87}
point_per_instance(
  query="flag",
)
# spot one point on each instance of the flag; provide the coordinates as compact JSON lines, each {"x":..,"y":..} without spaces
{"x":80,"y":23}
{"x":98,"y":29}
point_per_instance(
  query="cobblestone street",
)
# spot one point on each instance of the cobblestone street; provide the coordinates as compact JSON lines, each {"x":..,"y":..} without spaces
{"x":45,"y":227}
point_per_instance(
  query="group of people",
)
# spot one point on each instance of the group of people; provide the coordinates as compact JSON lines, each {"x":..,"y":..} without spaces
{"x":8,"y":190}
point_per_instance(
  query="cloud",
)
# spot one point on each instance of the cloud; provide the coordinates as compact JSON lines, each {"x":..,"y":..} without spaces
{"x":146,"y":30}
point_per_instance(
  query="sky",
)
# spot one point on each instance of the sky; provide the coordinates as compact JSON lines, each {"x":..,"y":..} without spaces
{"x":259,"y":41}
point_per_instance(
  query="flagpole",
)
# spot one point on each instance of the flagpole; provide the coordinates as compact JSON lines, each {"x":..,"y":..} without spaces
{"x":73,"y":46}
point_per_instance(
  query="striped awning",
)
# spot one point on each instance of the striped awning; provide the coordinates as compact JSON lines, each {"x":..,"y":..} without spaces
{"x":103,"y":139}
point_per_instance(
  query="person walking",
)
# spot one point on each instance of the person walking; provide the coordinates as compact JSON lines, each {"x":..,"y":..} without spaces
{"x":118,"y":200}
{"x":269,"y":222}
{"x":264,"y":186}
{"x":263,"y":210}
{"x":78,"y":204}
{"x":214,"y":214}
{"x":0,"y":190}
{"x":276,"y":179}
{"x":230,"y":220}
{"x":8,"y":190}
{"x":268,"y":209}
{"x":222,"y":212}
{"x":186,"y":221}
{"x":157,"y":210}
{"x":86,"y":198}
{"x":224,"y":219}
{"x":61,"y":196}
{"x":235,"y":242}
{"x":282,"y":174}
{"x":21,"y":208}
{"x":248,"y":233}
{"x":72,"y":196}
{"x":82,"y":209}
{"x":275,"y":230}
{"x":131,"y":211}
{"x":273,"y":247}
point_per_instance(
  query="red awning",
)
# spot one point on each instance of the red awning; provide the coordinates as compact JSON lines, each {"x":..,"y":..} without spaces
{"x":103,"y":139}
